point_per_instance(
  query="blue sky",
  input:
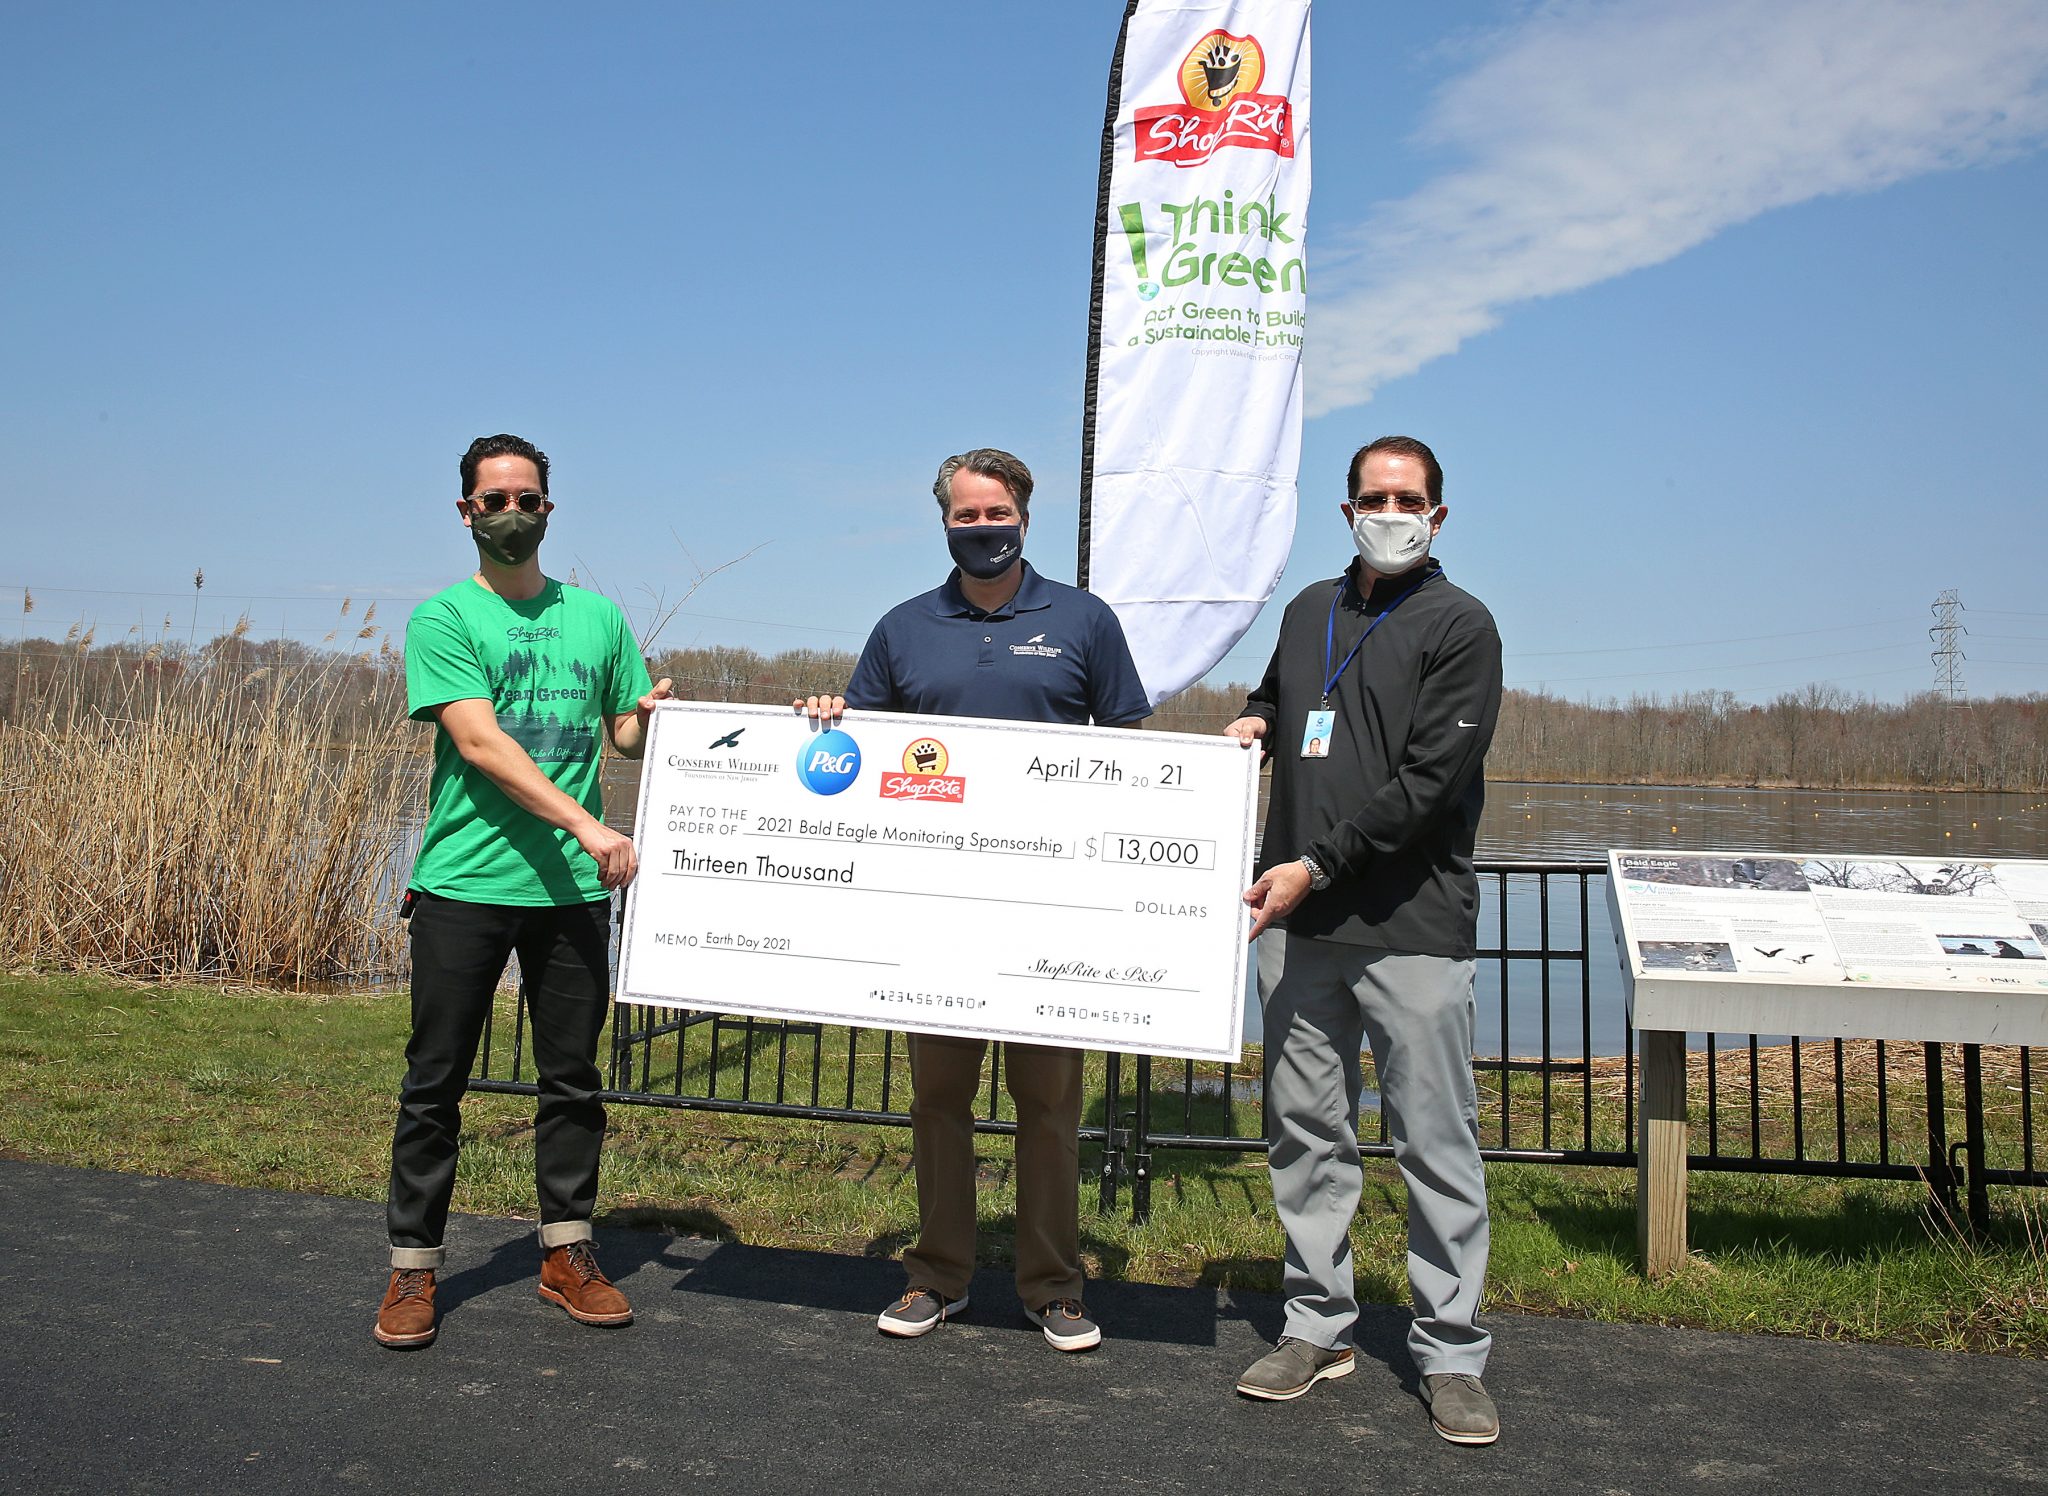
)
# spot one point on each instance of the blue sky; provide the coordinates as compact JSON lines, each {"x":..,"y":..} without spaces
{"x":1726,"y":317}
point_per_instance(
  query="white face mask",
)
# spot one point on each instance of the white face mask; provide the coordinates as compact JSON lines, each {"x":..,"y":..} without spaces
{"x":1392,"y":543}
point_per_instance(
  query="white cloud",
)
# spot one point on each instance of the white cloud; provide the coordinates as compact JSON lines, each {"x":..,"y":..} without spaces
{"x":1597,"y":138}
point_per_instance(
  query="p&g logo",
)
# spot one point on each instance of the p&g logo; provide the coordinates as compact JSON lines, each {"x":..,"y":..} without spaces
{"x":828,"y":763}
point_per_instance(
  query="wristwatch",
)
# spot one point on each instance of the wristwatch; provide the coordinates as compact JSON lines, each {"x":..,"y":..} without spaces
{"x":1318,"y":880}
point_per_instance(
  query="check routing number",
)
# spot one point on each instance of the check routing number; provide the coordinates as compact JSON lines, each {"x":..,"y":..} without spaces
{"x":1078,"y":886}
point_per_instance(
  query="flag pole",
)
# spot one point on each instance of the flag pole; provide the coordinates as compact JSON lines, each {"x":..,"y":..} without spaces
{"x":1089,"y":385}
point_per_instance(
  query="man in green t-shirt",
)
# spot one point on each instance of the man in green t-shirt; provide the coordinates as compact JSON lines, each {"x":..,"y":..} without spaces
{"x":519,"y":674}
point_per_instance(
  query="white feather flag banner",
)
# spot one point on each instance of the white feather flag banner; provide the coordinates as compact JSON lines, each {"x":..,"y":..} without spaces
{"x":1191,"y":439}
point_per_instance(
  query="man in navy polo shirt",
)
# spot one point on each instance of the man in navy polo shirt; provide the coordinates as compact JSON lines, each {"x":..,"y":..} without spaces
{"x":995,"y":639}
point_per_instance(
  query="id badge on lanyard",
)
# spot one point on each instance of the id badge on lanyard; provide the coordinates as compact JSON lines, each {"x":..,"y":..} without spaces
{"x":1315,"y":738}
{"x":1321,"y":728}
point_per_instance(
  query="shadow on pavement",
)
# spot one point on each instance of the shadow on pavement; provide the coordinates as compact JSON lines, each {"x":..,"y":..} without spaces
{"x":509,"y":1263}
{"x":783,"y":1275}
{"x":1140,"y":1312}
{"x":175,"y":1366}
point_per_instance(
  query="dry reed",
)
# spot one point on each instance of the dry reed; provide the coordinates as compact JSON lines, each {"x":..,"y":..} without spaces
{"x":2004,"y":1071}
{"x":207,"y":819}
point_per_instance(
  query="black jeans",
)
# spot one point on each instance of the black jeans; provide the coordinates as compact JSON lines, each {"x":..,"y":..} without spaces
{"x":458,"y":954}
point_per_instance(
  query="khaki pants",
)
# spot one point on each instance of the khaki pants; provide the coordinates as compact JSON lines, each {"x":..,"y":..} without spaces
{"x":1045,"y":1083}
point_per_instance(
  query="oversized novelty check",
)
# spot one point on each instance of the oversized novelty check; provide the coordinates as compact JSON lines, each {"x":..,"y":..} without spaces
{"x":1078,"y":886}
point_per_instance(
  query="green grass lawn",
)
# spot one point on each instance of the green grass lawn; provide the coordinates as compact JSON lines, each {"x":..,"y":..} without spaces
{"x":293,"y":1092}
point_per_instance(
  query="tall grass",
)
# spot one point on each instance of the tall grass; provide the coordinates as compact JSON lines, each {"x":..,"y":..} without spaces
{"x":191,"y":817}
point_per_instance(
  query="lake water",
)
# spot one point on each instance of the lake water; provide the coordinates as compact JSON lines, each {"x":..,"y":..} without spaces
{"x":1574,"y":823}
{"x":1568,"y":821}
{"x":1551,"y":822}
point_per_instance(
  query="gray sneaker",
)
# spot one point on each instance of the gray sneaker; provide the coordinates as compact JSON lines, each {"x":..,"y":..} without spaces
{"x":1460,"y":1410}
{"x":1291,"y":1368}
{"x":1067,"y":1325}
{"x":919,"y":1312}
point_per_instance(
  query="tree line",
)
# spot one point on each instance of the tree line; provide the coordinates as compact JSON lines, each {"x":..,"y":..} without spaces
{"x":1819,"y":736}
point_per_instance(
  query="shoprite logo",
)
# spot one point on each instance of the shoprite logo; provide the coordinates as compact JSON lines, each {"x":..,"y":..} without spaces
{"x":828,"y":763}
{"x":1219,"y":67}
{"x":925,"y":756}
{"x":1220,"y":106}
{"x":924,"y":776}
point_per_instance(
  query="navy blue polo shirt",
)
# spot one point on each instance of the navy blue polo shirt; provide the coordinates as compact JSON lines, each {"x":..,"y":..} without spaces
{"x":1053,"y":653}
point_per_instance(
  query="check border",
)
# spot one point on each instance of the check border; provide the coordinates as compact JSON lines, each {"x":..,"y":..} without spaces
{"x":1228,"y":1048}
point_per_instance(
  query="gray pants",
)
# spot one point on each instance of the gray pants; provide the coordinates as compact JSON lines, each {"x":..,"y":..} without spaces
{"x":1322,"y":999}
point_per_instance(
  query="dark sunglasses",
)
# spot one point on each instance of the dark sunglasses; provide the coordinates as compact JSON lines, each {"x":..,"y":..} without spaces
{"x":493,"y":501}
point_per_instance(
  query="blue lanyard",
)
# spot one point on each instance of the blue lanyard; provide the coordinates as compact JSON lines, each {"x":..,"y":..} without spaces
{"x":1330,"y":637}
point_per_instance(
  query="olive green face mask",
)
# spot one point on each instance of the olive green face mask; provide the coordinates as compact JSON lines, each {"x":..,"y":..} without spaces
{"x":509,"y":538}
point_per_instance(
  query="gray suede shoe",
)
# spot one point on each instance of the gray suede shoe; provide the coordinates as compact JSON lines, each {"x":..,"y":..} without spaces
{"x":1460,"y":1410}
{"x":1067,"y":1325}
{"x":1291,"y":1368}
{"x":919,"y":1312}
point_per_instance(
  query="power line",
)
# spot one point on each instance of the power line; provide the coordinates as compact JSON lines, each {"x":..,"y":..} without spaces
{"x":1840,"y":654}
{"x":334,"y":600}
{"x":1551,"y":654}
{"x":347,"y":627}
{"x":1542,"y":687}
{"x":240,"y":597}
{"x":1543,"y":654}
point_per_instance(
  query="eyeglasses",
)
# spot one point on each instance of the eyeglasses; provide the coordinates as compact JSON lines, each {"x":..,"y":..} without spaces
{"x":496,"y":501}
{"x":1379,"y":503}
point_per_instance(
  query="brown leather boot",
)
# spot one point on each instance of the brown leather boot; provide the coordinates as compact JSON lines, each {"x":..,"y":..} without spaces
{"x":405,"y":1320}
{"x":570,"y":1276}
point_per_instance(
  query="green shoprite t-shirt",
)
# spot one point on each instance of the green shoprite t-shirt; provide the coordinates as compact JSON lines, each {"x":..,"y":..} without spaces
{"x":553,"y":668}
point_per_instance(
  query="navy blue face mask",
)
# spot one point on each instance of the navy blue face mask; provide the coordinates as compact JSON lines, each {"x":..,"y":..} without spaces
{"x":985,"y":552}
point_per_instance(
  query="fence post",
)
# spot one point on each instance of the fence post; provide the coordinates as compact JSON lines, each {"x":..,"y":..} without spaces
{"x":1141,"y":1146}
{"x":1979,"y":1196}
{"x":1112,"y":1129}
{"x":519,"y":1013}
{"x":1941,"y":1174}
{"x":1661,"y":1154}
{"x":621,"y":1052}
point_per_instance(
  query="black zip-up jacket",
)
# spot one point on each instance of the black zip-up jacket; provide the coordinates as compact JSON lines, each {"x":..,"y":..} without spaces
{"x":1392,"y":814}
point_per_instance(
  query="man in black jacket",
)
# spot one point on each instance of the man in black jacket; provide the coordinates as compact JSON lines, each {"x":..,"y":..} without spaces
{"x":1377,"y":709}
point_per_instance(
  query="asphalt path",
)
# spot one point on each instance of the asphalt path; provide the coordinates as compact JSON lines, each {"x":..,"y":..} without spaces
{"x":159,"y":1335}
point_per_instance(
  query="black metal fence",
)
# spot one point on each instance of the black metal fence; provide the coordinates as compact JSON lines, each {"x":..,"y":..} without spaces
{"x":1555,"y":1075}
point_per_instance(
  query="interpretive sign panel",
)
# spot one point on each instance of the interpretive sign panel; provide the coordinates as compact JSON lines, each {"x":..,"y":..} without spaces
{"x":1863,"y":947}
{"x":1075,"y":886}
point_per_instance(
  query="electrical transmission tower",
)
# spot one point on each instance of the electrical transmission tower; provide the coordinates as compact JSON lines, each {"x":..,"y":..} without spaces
{"x":1947,"y":657}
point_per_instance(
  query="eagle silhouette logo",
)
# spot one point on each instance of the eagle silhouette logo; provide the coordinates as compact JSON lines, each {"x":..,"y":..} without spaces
{"x":730,"y":740}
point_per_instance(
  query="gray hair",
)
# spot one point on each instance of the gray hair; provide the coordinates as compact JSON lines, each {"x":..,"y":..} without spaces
{"x":989,"y":462}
